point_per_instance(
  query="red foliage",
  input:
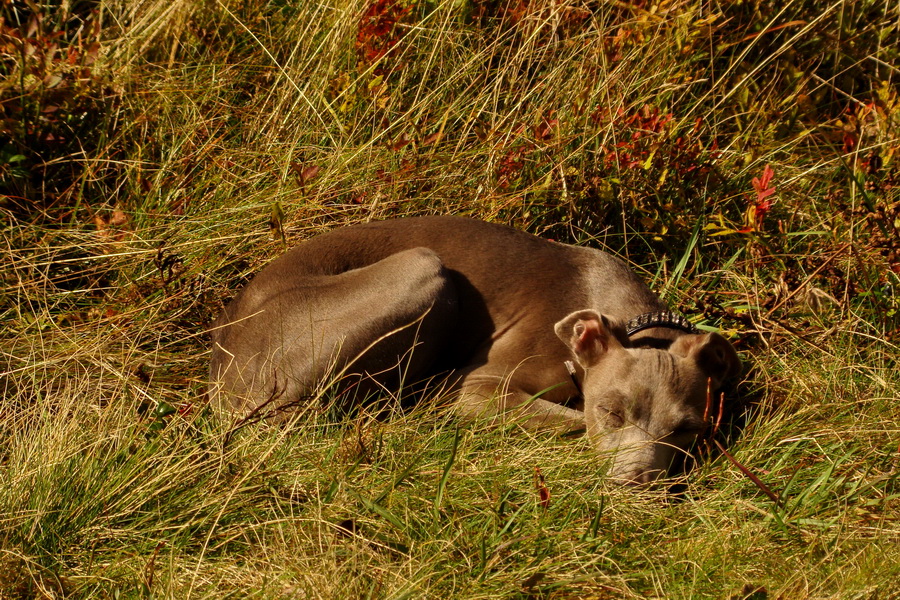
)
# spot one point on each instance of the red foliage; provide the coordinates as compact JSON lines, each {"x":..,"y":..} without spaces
{"x":761,"y":205}
{"x":510,"y":166}
{"x":856,"y":117}
{"x":377,"y":34}
{"x":543,"y":131}
{"x":644,"y":140}
{"x":305,"y":174}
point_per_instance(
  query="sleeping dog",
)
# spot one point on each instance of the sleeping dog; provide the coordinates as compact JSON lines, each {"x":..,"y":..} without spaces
{"x":559,"y":336}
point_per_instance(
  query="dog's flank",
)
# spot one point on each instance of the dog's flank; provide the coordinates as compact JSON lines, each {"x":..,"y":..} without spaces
{"x":501,"y":311}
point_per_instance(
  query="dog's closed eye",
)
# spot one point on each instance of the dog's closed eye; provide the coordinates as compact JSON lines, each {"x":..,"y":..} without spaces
{"x":611,"y":419}
{"x":689,"y":427}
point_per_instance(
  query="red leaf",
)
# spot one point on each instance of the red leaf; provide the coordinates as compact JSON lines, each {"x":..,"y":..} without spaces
{"x":401,"y":142}
{"x":763,"y":191}
{"x":761,"y":185}
{"x":764,"y":194}
{"x":697,"y":125}
{"x":309,"y":173}
{"x":544,"y":130}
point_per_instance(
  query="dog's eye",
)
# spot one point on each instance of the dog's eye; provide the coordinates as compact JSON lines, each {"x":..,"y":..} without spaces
{"x":613,"y":420}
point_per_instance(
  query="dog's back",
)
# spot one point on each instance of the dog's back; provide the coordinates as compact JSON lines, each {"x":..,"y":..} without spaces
{"x":503,"y":277}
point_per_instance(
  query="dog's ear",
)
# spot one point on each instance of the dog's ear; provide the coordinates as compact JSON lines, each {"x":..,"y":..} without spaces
{"x":588,"y":335}
{"x":714,"y":355}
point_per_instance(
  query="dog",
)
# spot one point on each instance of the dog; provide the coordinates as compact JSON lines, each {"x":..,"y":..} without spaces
{"x":559,"y":336}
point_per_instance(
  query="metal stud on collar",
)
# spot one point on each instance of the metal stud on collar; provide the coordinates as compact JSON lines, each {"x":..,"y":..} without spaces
{"x":665,"y":318}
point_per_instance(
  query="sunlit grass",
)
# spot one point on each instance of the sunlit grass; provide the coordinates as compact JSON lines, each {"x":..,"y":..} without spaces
{"x":205,"y":139}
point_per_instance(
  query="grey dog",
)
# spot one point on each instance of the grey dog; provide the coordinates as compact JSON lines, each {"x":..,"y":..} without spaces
{"x":559,"y":336}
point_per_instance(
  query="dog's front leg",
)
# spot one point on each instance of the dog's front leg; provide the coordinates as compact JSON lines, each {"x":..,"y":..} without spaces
{"x":485,"y":395}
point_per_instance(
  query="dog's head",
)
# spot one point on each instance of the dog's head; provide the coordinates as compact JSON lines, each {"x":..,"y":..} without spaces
{"x":642,"y":405}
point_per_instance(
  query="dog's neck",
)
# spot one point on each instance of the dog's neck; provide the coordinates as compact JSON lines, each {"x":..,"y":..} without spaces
{"x":666,"y":319}
{"x":657,"y":329}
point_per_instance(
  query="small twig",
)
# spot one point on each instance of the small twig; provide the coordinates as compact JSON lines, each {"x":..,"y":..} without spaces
{"x":756,"y":480}
{"x":708,"y":399}
{"x":541,"y":487}
{"x":151,"y":566}
{"x":721,"y":412}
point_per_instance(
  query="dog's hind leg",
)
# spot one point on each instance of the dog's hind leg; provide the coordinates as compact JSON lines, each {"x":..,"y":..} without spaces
{"x":378,"y":325}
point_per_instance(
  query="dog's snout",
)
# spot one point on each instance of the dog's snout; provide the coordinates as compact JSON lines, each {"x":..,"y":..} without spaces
{"x":651,"y":476}
{"x":642,"y":477}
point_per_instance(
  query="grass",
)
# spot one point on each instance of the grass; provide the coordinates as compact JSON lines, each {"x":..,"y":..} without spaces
{"x":157,"y":154}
